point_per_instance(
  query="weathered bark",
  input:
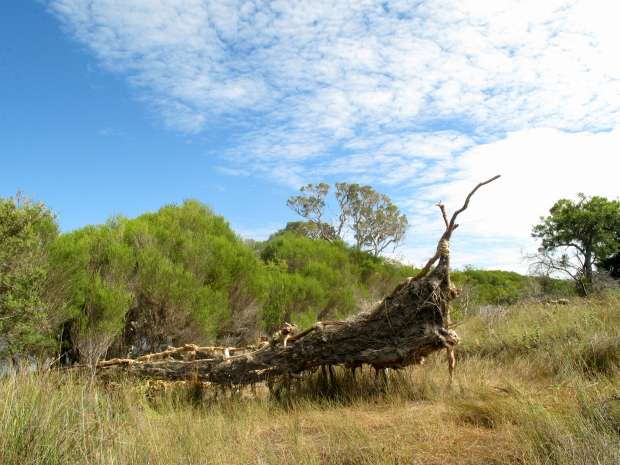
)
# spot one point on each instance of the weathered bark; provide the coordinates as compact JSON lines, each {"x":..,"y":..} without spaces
{"x":404,"y":328}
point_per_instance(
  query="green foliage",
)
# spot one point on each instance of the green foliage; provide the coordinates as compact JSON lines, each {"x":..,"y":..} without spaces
{"x":181,"y":272}
{"x":26,"y":229}
{"x":498,"y":288}
{"x":612,"y":265}
{"x":311,"y":205}
{"x":492,"y":287}
{"x":589,"y":228}
{"x":310,"y":229}
{"x":590,"y":223}
{"x":306,"y":279}
{"x":92,"y":265}
{"x":376,"y":223}
{"x":553,"y":287}
{"x":380,"y":275}
{"x":304,"y":276}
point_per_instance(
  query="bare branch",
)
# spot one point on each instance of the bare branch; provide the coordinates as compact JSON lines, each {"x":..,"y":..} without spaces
{"x":424,"y":271}
{"x":452,"y":226}
{"x":442,"y":207}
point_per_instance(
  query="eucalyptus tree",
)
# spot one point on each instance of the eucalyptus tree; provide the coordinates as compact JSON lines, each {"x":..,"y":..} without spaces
{"x":373,"y":220}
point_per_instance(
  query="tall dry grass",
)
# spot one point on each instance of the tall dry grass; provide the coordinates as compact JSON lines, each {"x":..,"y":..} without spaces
{"x":535,"y":385}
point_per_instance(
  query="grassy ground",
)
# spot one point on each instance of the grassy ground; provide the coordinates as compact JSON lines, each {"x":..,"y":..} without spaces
{"x":535,"y":385}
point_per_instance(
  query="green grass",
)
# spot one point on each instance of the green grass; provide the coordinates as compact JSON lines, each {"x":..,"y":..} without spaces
{"x":581,"y":338}
{"x":534,"y":385}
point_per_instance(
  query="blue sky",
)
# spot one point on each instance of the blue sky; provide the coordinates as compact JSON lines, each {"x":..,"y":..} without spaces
{"x":78,"y":137}
{"x":120,"y":106}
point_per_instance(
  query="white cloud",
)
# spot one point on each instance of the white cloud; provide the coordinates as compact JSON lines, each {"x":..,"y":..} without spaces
{"x":370,"y":66}
{"x":227,"y":170}
{"x":538,"y":167}
{"x":400,"y":93}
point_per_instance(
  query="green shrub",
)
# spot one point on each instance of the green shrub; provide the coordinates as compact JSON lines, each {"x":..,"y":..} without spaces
{"x":308,"y":278}
{"x":180,"y":272}
{"x":492,"y":287}
{"x":26,"y":229}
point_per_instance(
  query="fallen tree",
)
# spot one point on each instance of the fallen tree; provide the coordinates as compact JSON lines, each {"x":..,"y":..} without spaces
{"x":401,"y":330}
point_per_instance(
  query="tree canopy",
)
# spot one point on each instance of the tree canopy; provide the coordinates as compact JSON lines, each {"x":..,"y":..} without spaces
{"x":578,"y":236}
{"x":373,"y":219}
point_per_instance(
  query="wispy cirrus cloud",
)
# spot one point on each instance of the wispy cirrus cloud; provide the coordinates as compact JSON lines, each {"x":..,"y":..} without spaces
{"x":399,"y":93}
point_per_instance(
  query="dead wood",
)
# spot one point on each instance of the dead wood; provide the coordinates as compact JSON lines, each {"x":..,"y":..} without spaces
{"x":402,"y":329}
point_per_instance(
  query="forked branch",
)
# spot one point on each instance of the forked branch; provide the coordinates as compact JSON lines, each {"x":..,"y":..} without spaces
{"x":442,"y":247}
{"x":452,"y":226}
{"x":442,"y":207}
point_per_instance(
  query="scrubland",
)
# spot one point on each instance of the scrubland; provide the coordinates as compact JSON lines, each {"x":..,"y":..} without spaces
{"x":535,"y":384}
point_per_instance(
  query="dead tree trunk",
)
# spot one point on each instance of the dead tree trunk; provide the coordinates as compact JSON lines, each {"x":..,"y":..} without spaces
{"x":401,"y":330}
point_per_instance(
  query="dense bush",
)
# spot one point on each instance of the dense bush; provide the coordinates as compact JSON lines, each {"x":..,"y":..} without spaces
{"x":309,"y":279}
{"x":306,"y":279}
{"x":179,"y":273}
{"x":492,"y":287}
{"x":26,"y":230}
{"x":182,"y":275}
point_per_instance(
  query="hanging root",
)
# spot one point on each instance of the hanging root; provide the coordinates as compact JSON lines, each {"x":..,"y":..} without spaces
{"x":451,"y":362}
{"x":451,"y":339}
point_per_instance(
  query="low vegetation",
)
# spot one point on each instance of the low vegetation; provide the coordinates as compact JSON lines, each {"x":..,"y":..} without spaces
{"x":536,"y":384}
{"x":182,"y":275}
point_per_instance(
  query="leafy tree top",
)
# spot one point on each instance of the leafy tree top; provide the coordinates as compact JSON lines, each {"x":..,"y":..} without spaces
{"x":373,"y":219}
{"x":590,"y":225}
{"x":577,"y":236}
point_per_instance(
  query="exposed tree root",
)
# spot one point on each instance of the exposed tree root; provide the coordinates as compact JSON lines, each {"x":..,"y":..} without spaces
{"x":402,"y":329}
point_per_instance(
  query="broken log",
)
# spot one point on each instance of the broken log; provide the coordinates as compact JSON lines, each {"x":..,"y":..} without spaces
{"x":401,"y":330}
